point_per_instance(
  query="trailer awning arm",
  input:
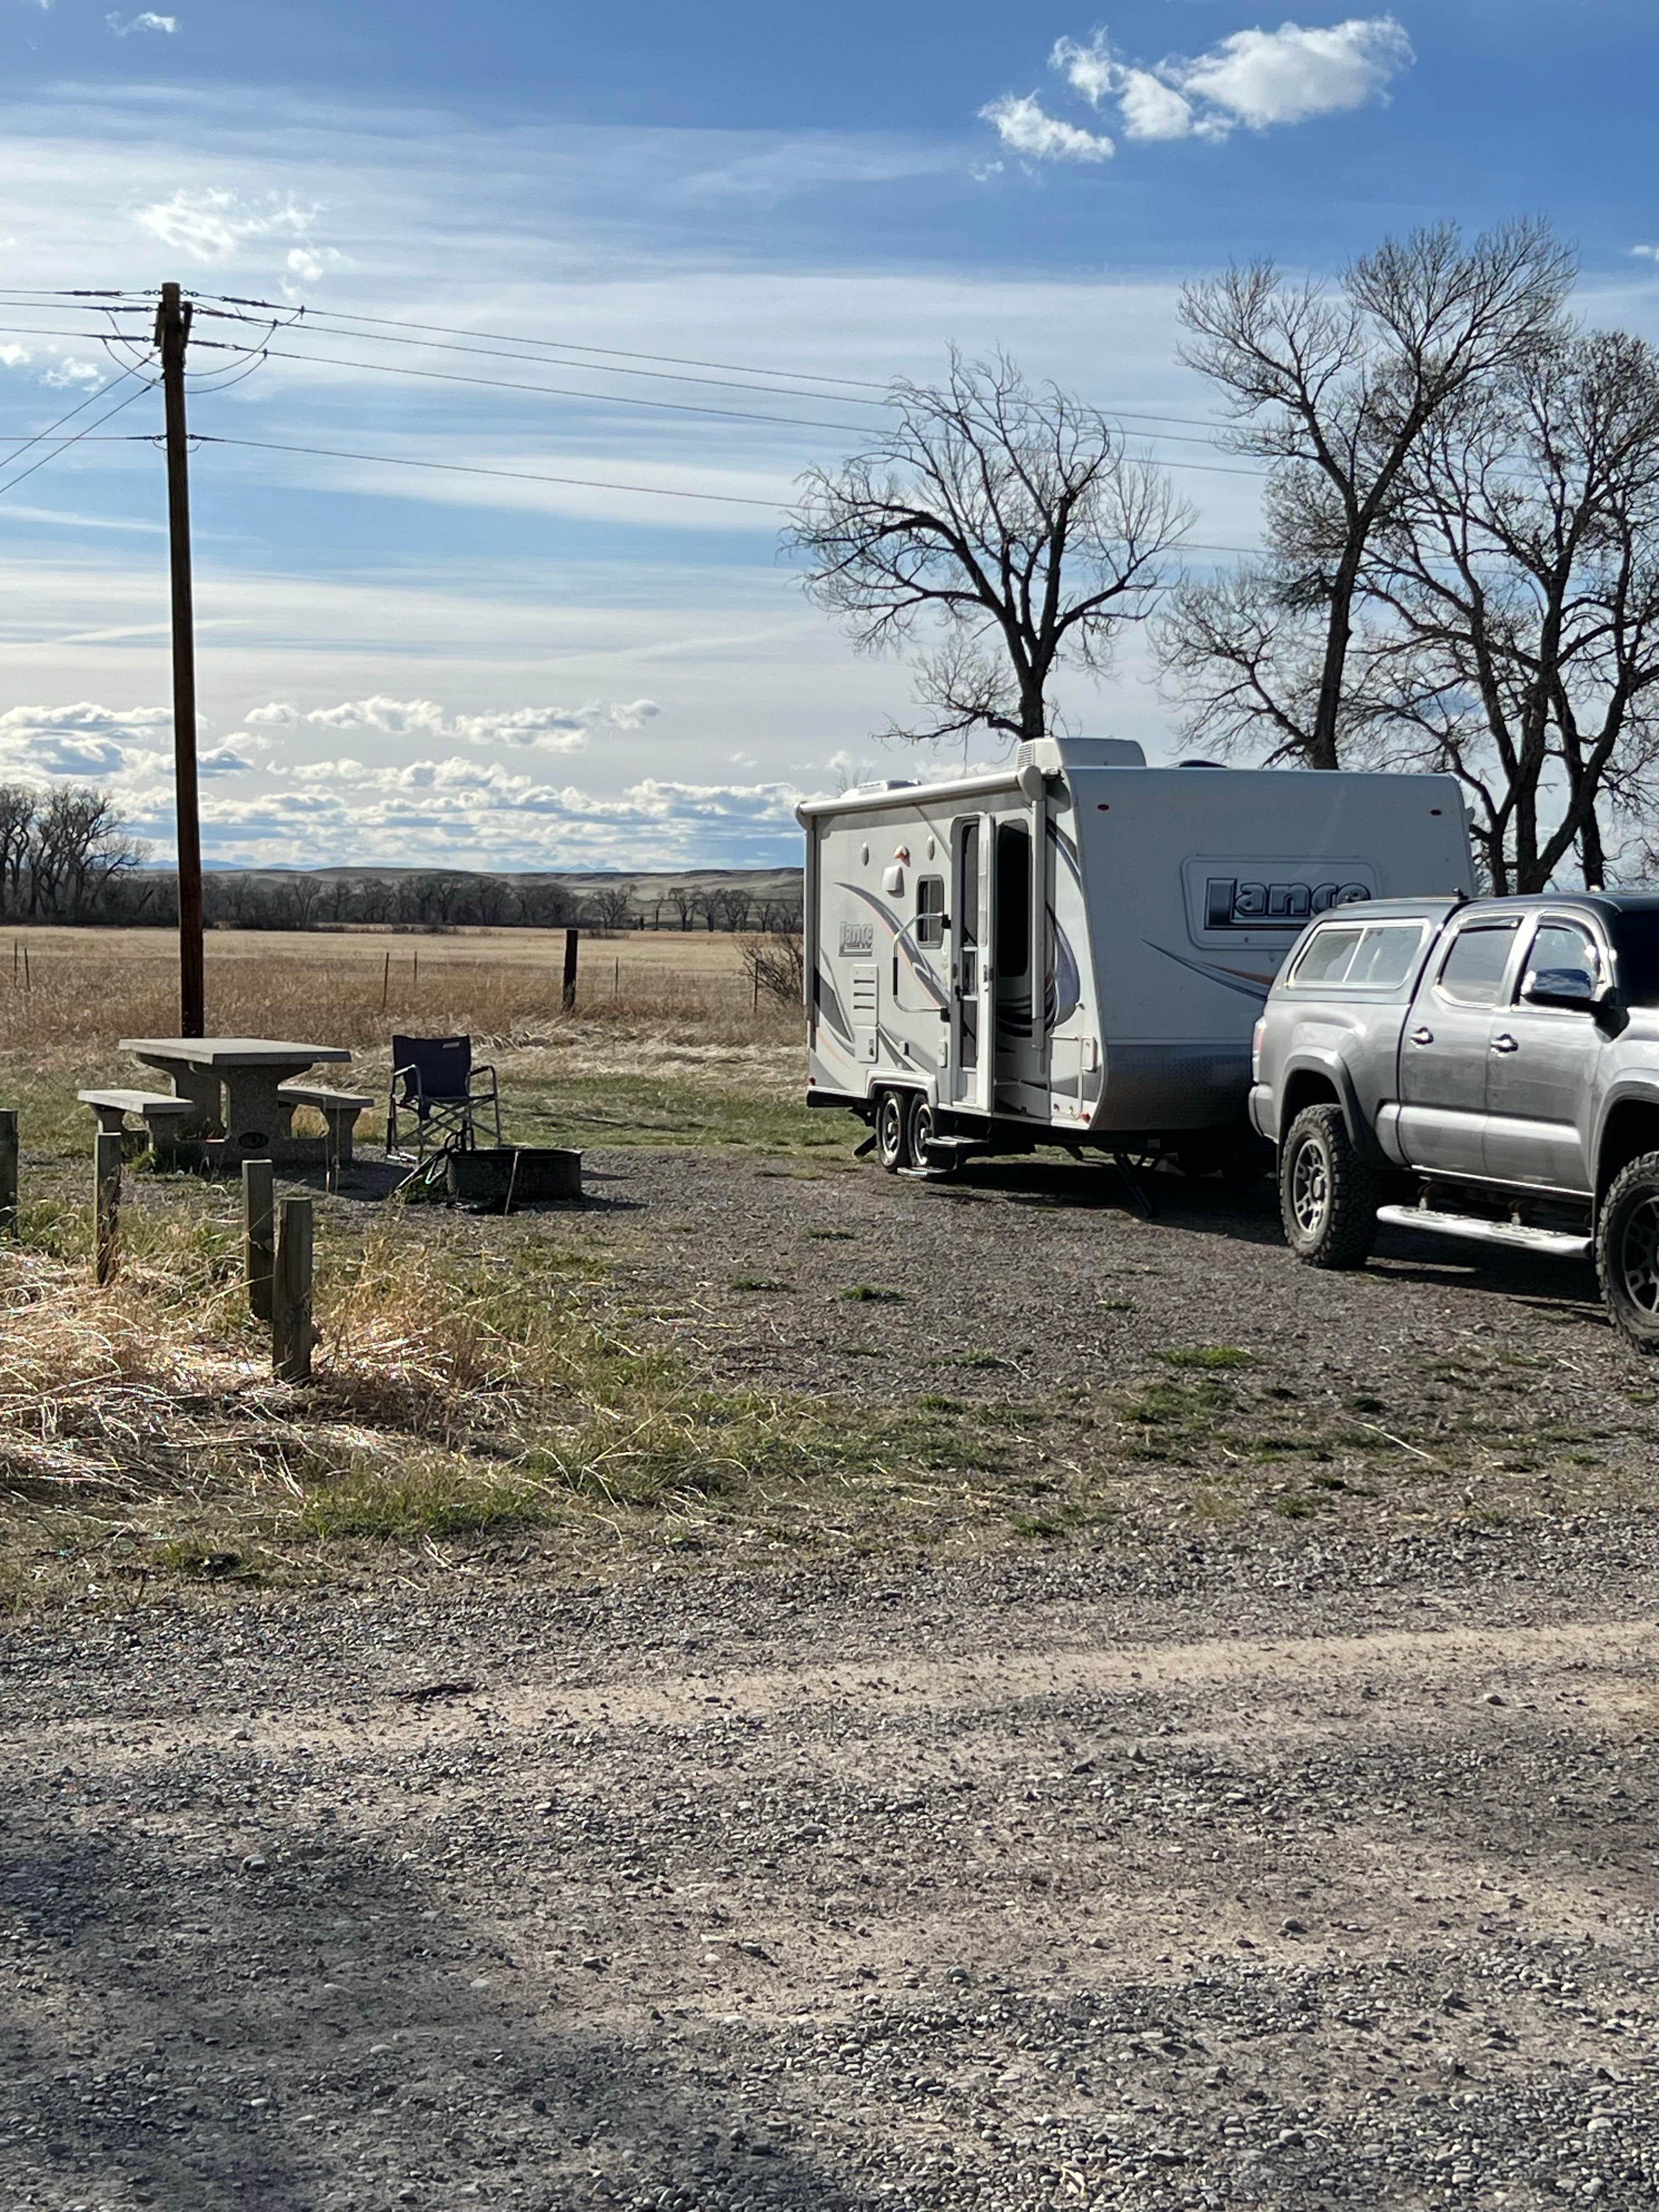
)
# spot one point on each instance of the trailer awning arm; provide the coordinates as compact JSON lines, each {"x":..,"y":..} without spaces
{"x":1028,"y":780}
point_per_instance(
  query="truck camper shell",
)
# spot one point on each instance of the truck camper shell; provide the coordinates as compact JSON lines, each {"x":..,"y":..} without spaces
{"x":1075,"y":948}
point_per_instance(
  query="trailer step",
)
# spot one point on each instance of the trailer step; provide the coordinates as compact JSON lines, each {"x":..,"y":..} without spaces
{"x":1554,"y":1243}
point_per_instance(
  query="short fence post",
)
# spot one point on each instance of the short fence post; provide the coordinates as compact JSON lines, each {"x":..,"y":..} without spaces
{"x":290,"y":1315}
{"x":571,"y":939}
{"x":386,"y":982}
{"x":8,"y":1170}
{"x":105,"y":1204}
{"x":258,"y":1235}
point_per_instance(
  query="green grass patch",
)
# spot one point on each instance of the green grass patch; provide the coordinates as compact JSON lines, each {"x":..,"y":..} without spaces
{"x":1210,"y":1356}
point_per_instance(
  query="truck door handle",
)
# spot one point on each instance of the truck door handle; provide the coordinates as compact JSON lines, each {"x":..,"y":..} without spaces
{"x":1504,"y":1043}
{"x":1422,"y":1037}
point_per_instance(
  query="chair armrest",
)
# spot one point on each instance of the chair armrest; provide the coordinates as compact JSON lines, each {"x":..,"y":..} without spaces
{"x":479,"y":1072}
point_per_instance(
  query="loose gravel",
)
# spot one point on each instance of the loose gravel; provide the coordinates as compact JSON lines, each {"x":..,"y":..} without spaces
{"x":1279,"y":1879}
{"x":1311,"y":1865}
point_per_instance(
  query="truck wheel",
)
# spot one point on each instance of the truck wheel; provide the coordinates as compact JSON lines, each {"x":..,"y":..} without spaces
{"x":892,"y":1129}
{"x":1326,"y":1192}
{"x":1627,"y":1253}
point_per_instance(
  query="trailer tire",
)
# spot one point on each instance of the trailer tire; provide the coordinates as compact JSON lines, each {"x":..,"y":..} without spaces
{"x":1627,"y":1253}
{"x":1328,"y":1195}
{"x":924,"y":1127}
{"x":893,"y":1129}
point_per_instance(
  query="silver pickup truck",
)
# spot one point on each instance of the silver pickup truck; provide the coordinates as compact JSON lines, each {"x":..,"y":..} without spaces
{"x":1487,"y":1068}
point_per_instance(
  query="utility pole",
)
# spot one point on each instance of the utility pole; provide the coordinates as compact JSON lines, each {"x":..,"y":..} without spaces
{"x":172,"y":336}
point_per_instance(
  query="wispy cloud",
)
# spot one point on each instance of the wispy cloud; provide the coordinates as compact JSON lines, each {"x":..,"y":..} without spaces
{"x":1025,"y":127}
{"x":210,"y":225}
{"x":542,"y":729}
{"x":146,"y":20}
{"x":1255,"y":78}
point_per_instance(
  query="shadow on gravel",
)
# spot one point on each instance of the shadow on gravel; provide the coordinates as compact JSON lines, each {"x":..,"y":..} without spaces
{"x":321,"y":2030}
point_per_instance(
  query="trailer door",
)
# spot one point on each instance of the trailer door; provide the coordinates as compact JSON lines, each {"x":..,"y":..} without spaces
{"x":973,"y":982}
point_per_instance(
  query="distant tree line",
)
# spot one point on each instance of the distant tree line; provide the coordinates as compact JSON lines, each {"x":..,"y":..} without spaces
{"x":67,"y":856}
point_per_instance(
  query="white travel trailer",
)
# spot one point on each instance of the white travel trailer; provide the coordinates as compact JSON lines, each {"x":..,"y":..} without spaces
{"x":1074,"y":949}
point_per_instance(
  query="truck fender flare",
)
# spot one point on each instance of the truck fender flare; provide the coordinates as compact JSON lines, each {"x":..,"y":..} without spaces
{"x":1637,"y":1088}
{"x":1335,"y":1073}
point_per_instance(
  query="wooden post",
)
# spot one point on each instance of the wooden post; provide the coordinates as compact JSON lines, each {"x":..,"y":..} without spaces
{"x":106,"y":1205}
{"x":258,"y":1235}
{"x":386,"y":981}
{"x":290,"y":1315}
{"x":173,"y":319}
{"x":572,"y":937}
{"x":8,"y":1170}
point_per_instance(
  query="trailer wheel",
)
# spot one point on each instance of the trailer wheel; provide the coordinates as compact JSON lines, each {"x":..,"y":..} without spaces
{"x":924,"y":1127}
{"x":892,"y":1129}
{"x":1627,"y":1253}
{"x":1328,"y":1195}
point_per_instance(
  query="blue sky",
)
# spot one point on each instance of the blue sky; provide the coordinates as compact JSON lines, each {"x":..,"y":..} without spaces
{"x":402,"y":664}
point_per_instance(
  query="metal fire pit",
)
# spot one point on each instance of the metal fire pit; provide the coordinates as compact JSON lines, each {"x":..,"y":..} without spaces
{"x":500,"y":1179}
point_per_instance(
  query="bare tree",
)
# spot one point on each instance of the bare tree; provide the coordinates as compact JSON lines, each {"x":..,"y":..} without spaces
{"x":683,"y":898}
{"x":18,"y":808}
{"x":79,"y":844}
{"x":611,"y":906}
{"x":1336,"y":393}
{"x":1003,"y":530}
{"x":774,"y":963}
{"x":1520,"y":572}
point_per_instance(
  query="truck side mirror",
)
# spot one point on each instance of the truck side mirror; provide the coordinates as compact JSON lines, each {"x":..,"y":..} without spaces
{"x":1571,"y":990}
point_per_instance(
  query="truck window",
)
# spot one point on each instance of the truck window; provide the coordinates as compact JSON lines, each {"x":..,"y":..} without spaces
{"x":1637,"y":937}
{"x":930,"y":909}
{"x":1385,"y":955}
{"x":1560,"y":944}
{"x":1471,"y":973}
{"x":1325,"y":957}
{"x":1013,"y":899}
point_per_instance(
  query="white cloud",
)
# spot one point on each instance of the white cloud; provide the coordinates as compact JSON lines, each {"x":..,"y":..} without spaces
{"x":1647,"y":252}
{"x":543,"y":729}
{"x":147,"y":21}
{"x":1265,"y":77}
{"x":1026,"y":128}
{"x":80,"y":741}
{"x":212,"y":224}
{"x":1258,"y":78}
{"x":72,"y":375}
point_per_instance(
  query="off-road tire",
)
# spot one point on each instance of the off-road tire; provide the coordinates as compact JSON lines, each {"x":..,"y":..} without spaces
{"x":1328,"y":1195}
{"x":893,"y":1129}
{"x":1627,"y":1253}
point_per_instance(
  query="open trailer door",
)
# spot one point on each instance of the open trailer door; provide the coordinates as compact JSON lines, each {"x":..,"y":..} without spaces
{"x":972,"y":981}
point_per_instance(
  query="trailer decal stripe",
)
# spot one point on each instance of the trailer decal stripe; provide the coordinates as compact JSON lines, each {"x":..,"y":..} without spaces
{"x":1247,"y":987}
{"x":901,"y":930}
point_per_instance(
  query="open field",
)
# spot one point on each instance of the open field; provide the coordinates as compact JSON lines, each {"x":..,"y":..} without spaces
{"x":781,"y":1686}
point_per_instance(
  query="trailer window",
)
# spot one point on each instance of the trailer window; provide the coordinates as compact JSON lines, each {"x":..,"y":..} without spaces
{"x":1013,"y":899}
{"x":930,"y":909}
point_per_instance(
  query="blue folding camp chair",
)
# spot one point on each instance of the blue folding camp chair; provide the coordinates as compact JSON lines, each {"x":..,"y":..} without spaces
{"x":447,"y":1095}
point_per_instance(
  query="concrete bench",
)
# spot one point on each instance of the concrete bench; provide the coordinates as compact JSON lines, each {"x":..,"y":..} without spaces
{"x":163,"y":1114}
{"x":339,"y":1110}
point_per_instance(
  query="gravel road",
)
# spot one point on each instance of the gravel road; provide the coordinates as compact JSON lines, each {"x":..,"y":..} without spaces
{"x":1268,"y":1877}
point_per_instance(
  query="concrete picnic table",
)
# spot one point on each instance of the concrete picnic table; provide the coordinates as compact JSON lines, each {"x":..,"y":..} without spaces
{"x":233,"y":1085}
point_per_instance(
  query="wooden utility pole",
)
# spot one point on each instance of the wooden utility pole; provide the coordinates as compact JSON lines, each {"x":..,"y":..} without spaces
{"x":172,"y":336}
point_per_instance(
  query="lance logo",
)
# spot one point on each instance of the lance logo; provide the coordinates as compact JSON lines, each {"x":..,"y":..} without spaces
{"x":858,"y":939}
{"x":1230,"y":903}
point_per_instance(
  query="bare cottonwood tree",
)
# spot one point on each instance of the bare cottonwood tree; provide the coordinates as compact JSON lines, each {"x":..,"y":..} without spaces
{"x":1001,"y":529}
{"x":1335,"y":391}
{"x":1517,"y":582}
{"x":611,"y":906}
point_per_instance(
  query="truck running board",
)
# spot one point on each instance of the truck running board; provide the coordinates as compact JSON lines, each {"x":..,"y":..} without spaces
{"x":1556,"y":1243}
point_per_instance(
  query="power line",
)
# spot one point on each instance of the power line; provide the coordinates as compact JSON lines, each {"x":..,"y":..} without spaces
{"x":79,"y":409}
{"x":616,"y":399}
{"x":317,"y":317}
{"x":469,"y":469}
{"x":590,"y":484}
{"x":63,"y":447}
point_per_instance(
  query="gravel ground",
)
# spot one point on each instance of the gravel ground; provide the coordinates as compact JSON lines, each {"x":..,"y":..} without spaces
{"x":1308,"y":1863}
{"x":1268,"y":1880}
